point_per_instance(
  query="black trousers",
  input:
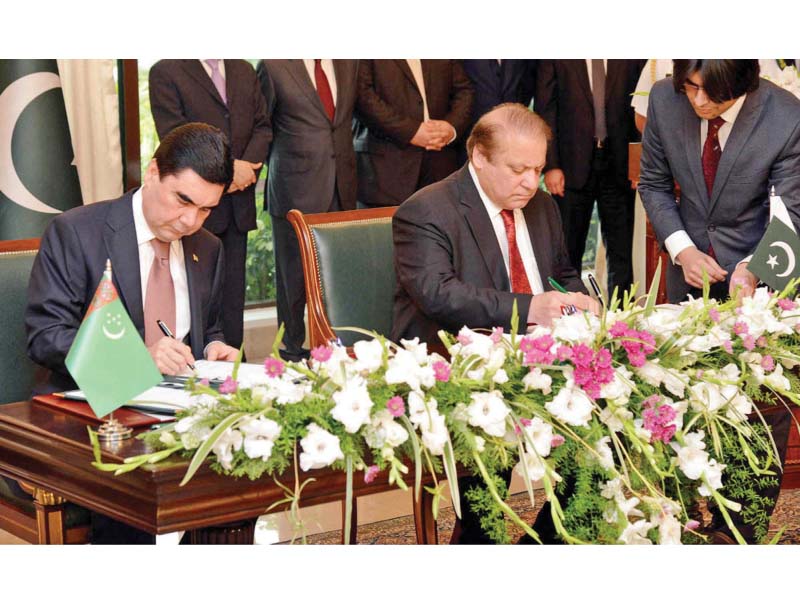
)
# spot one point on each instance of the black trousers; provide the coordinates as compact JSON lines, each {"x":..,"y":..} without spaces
{"x":234,"y":243}
{"x":290,"y":289}
{"x":615,"y":205}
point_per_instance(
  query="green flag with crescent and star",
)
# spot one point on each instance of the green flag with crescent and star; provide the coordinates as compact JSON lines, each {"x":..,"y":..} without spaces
{"x":775,"y":261}
{"x":108,"y":359}
{"x":38,"y":179}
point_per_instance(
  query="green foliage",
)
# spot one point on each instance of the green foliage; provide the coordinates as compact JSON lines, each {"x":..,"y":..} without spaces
{"x":491,"y":516}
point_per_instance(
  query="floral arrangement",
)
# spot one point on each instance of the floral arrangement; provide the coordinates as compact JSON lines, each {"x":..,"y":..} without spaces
{"x":626,"y":420}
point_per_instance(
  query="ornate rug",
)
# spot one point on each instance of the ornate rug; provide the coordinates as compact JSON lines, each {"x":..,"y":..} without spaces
{"x":401,"y":529}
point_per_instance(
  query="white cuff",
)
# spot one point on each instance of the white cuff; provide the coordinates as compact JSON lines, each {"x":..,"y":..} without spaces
{"x":746,"y":259}
{"x":205,"y":350}
{"x":677,"y":243}
{"x":455,"y":135}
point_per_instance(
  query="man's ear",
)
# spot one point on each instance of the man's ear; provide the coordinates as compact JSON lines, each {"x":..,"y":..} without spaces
{"x":479,"y":159}
{"x":151,"y":172}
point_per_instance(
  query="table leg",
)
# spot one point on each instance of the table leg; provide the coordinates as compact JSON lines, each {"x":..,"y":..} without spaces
{"x":424,"y":523}
{"x":49,"y":514}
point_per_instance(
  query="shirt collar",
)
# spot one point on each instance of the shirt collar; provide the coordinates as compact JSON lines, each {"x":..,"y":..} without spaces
{"x":729,"y":116}
{"x":143,"y":232}
{"x":491,"y":207}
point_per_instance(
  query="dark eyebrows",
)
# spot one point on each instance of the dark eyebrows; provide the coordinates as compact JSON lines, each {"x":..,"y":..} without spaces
{"x":185,"y":198}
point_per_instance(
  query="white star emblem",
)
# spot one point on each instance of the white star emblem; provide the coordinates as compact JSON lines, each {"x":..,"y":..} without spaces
{"x":772,"y":262}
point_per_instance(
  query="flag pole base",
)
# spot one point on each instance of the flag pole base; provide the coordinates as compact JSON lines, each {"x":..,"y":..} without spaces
{"x":113,"y":431}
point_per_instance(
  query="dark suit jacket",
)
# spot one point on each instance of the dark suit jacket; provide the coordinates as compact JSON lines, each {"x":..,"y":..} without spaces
{"x":450,"y":270}
{"x":762,"y":150}
{"x":182,"y":92}
{"x":309,"y":154}
{"x":513,"y":80}
{"x":71,"y":262}
{"x":390,"y":110}
{"x":564,"y":100}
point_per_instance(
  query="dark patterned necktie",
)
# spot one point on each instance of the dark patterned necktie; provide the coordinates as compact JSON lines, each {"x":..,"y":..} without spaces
{"x":599,"y":98}
{"x":159,"y":299}
{"x":518,"y":276}
{"x":324,"y":89}
{"x":712,"y":151}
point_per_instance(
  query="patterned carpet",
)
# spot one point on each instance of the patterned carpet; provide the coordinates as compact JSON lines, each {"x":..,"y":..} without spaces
{"x":401,"y":529}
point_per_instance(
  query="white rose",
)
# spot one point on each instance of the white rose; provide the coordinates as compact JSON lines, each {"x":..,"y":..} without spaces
{"x":571,"y":406}
{"x":369,"y":355}
{"x":353,"y":404}
{"x":320,"y":449}
{"x":488,"y":411}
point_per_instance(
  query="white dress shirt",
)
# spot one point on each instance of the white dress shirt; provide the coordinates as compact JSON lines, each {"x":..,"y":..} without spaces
{"x":177,"y":267}
{"x":522,"y":234}
{"x":678,"y":241}
{"x":327,"y":68}
{"x":415,"y":64}
{"x":220,"y":66}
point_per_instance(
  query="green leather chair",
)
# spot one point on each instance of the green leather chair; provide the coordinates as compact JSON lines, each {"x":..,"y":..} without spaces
{"x":349,"y":272}
{"x":35,"y":521}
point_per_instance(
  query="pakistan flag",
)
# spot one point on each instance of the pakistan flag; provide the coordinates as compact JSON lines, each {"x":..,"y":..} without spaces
{"x":38,"y":179}
{"x":108,"y":359}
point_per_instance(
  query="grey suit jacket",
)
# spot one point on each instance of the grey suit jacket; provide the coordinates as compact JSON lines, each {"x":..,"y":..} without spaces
{"x":763,"y":150}
{"x":309,"y":154}
{"x":71,"y":262}
{"x":450,"y":270}
{"x":182,"y":92}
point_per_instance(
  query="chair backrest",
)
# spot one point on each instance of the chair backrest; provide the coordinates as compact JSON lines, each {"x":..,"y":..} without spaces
{"x":349,"y":272}
{"x":17,"y":371}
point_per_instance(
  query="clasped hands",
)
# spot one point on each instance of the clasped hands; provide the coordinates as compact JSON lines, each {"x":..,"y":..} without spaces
{"x":175,"y":358}
{"x":433,"y":134}
{"x":547,"y":306}
{"x":244,"y":175}
{"x":694,"y":263}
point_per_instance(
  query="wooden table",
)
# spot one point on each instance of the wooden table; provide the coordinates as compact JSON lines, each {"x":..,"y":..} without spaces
{"x":49,"y":451}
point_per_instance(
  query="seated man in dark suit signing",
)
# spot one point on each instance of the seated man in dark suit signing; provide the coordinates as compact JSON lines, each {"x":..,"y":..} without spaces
{"x":470,"y":245}
{"x":165,"y":266}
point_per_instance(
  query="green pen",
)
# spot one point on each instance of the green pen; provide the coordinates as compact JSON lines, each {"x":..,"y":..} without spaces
{"x":556,"y":286}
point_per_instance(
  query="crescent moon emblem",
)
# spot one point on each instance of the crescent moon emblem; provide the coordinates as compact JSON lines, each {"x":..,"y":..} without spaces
{"x":13,"y":101}
{"x":789,"y":255}
{"x":113,"y":336}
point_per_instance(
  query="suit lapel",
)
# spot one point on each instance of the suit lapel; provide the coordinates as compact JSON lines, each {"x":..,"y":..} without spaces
{"x":119,"y":237}
{"x":195,"y":70}
{"x":343,"y":84}
{"x":742,"y":129}
{"x":691,"y":137}
{"x":406,"y":70}
{"x":582,"y":74}
{"x":542,"y":249}
{"x":193,"y":279}
{"x":614,"y":70}
{"x":297,"y":69}
{"x":479,"y":224}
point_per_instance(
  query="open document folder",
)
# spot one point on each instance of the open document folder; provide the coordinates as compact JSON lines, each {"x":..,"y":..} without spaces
{"x":170,"y":395}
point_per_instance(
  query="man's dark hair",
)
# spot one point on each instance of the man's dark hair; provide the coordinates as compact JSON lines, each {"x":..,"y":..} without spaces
{"x":723,"y":78}
{"x":202,"y":148}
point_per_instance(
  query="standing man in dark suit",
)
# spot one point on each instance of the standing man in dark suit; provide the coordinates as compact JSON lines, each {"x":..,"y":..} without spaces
{"x":727,"y":137}
{"x":468,"y":247}
{"x":409,"y":114}
{"x":496,"y":81}
{"x":225,"y":94}
{"x":586,"y":102}
{"x":312,"y":166}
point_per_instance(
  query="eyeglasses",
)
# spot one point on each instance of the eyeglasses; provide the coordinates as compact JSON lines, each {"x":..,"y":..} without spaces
{"x":689,"y":87}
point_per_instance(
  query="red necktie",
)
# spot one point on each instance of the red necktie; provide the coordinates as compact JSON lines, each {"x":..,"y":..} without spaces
{"x":324,"y":89}
{"x":159,"y":298}
{"x":519,"y":278}
{"x":712,"y":152}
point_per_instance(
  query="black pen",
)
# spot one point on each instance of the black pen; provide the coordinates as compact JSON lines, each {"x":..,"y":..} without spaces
{"x":596,"y":288}
{"x":166,"y":331}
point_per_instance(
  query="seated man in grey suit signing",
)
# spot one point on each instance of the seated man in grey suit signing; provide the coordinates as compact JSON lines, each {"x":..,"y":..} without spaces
{"x":165,"y":266}
{"x":470,"y":245}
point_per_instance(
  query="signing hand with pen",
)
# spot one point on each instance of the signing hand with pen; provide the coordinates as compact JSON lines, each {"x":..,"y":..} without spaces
{"x":547,"y":306}
{"x":171,"y":356}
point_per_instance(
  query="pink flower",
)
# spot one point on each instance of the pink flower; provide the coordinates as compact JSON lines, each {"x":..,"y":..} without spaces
{"x":464,"y":339}
{"x":691,"y":525}
{"x":441,"y":371}
{"x":525,"y":422}
{"x":204,"y":381}
{"x":618,"y":329}
{"x":497,"y":335}
{"x":396,"y":406}
{"x":713,"y":314}
{"x":728,"y":346}
{"x":582,"y":355}
{"x":274,"y":367}
{"x":526,"y":344}
{"x":556,"y":441}
{"x":740,"y":328}
{"x":657,"y":419}
{"x":371,"y":474}
{"x":229,"y":386}
{"x":768,"y":363}
{"x":322,"y":353}
{"x":543,"y":343}
{"x":786,"y":304}
{"x":564,"y":353}
{"x":538,"y":357}
{"x":748,"y":342}
{"x":761,"y":342}
{"x":637,"y":359}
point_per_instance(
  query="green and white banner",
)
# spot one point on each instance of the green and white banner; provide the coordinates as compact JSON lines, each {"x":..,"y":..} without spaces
{"x":38,"y":178}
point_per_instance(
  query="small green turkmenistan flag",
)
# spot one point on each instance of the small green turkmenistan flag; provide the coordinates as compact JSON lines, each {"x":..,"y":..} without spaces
{"x":108,"y":359}
{"x":775,"y":261}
